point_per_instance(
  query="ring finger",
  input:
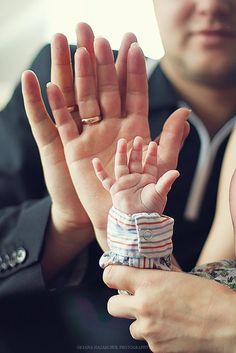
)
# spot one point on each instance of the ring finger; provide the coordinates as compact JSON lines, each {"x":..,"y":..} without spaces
{"x":85,"y":85}
{"x":107,"y":80}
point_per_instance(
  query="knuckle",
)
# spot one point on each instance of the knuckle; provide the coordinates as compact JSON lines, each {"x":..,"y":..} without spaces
{"x":144,"y":308}
{"x":146,"y":329}
{"x":151,"y":335}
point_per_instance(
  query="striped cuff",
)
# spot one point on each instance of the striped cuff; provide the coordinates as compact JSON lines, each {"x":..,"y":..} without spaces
{"x":140,"y":234}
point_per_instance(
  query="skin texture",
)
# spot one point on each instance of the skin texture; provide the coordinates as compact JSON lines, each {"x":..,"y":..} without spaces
{"x":135,"y":187}
{"x":100,"y":92}
{"x":174,"y":311}
{"x":199,"y":38}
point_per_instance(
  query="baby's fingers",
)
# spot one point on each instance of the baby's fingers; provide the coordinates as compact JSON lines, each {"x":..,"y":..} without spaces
{"x":121,"y":166}
{"x":135,"y":159}
{"x":102,"y":175}
{"x":150,"y":163}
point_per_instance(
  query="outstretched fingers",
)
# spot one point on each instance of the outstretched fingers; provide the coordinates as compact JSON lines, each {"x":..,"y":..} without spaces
{"x":137,"y":85}
{"x":61,"y":68}
{"x":107,"y":81}
{"x":121,"y":66}
{"x":174,"y":132}
{"x":43,"y":129}
{"x":135,"y":159}
{"x":85,"y":39}
{"x":121,"y":162}
{"x":97,"y":93}
{"x":150,"y":162}
{"x":85,"y":83}
{"x":66,"y":125}
{"x":101,"y":174}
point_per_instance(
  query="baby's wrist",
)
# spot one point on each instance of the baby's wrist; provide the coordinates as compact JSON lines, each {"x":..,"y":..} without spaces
{"x":148,"y":234}
{"x":126,"y":213}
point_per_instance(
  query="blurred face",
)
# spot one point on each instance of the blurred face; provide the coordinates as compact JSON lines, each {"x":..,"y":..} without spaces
{"x":199,"y":38}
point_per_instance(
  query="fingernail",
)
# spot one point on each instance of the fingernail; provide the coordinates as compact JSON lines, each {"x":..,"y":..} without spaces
{"x":81,"y":49}
{"x":135,"y":45}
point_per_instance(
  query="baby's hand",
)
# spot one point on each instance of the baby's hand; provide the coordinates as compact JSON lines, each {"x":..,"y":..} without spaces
{"x":137,"y":186}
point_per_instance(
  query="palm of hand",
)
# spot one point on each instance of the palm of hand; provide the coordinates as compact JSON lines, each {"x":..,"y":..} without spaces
{"x":136,"y":187}
{"x":99,"y":141}
{"x":136,"y":193}
{"x":65,"y":201}
{"x":98,"y":92}
{"x":106,"y":93}
{"x":59,"y":183}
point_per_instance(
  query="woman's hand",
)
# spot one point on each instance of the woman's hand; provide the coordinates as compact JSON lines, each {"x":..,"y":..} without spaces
{"x":69,"y":229}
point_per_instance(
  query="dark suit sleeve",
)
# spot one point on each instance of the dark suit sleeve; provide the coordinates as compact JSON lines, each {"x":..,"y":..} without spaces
{"x":24,"y":203}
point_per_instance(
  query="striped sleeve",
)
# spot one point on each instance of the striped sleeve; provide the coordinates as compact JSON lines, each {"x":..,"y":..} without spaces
{"x":140,"y":234}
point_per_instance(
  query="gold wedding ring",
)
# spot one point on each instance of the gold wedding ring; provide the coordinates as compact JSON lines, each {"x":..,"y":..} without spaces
{"x":91,"y":121}
{"x":73,"y":108}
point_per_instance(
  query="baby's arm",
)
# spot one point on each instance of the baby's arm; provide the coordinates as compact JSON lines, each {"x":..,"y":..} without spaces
{"x":138,"y":235}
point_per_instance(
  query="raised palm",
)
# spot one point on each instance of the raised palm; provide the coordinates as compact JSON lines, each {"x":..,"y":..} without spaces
{"x":136,"y":187}
{"x":65,"y":201}
{"x":100,"y":96}
{"x":116,"y":92}
{"x":119,"y":94}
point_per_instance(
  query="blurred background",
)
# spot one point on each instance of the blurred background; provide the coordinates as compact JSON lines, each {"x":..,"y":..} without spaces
{"x":26,"y":25}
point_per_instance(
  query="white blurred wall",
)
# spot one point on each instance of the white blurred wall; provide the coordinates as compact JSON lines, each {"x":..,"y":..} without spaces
{"x":26,"y":25}
{"x":23,"y":31}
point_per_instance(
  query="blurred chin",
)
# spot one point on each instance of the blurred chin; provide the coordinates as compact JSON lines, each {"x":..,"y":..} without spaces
{"x":211,"y":72}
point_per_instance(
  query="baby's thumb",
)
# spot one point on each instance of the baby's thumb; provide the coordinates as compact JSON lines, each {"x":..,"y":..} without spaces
{"x":165,"y":183}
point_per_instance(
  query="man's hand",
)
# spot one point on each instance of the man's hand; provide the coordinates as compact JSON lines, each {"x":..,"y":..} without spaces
{"x":137,"y":187}
{"x":174,"y":311}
